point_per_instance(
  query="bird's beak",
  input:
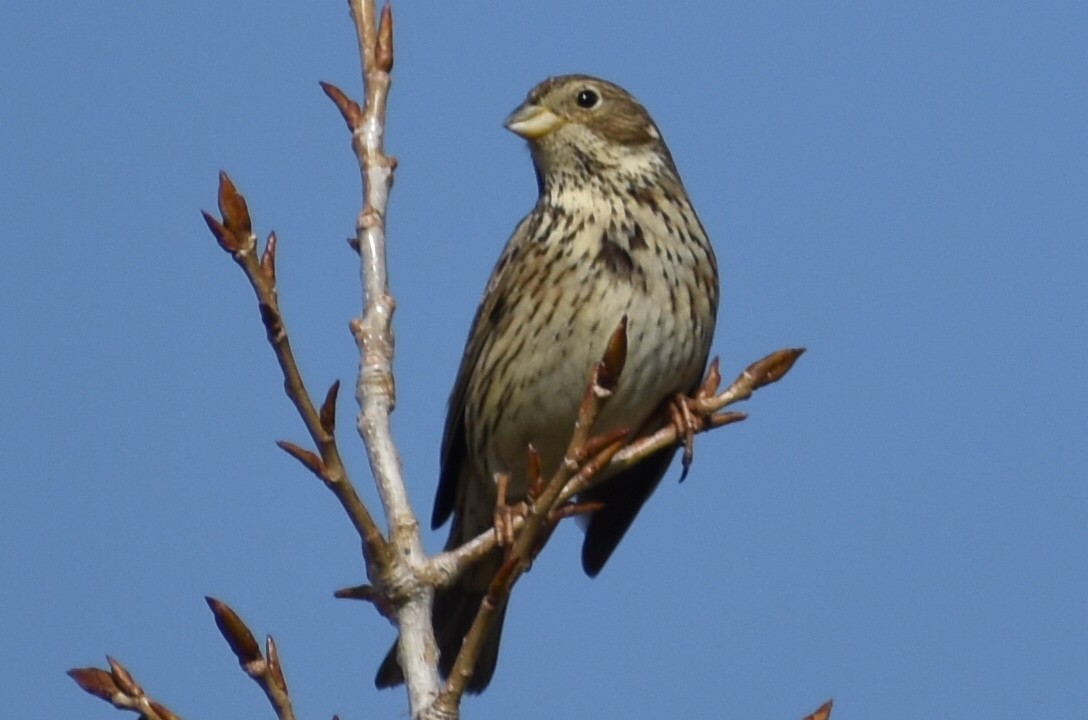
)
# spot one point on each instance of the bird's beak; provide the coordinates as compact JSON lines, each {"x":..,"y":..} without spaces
{"x":532,"y":121}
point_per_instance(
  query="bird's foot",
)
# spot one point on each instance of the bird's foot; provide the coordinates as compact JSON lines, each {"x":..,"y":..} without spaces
{"x":506,"y":514}
{"x":689,"y":416}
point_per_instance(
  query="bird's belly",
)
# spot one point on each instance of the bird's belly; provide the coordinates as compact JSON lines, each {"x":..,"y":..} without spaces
{"x":663,"y":359}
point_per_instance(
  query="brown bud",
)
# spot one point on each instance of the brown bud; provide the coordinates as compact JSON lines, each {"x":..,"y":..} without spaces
{"x":124,"y":679}
{"x":312,"y":462}
{"x":822,"y":713}
{"x":95,"y":681}
{"x":274,"y":667}
{"x":384,"y":55}
{"x":268,"y":258}
{"x":726,"y":418}
{"x":328,"y":409}
{"x":227,"y":240}
{"x":614,"y":358}
{"x":369,"y":594}
{"x":233,"y":208}
{"x":234,"y":631}
{"x":349,"y":109}
{"x":773,"y":367}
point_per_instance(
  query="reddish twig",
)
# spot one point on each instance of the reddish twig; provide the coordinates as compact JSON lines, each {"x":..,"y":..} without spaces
{"x":117,"y":687}
{"x":234,"y":234}
{"x":264,"y":669}
{"x":539,"y":520}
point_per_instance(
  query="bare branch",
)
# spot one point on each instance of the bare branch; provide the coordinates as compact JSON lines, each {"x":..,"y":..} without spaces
{"x":541,"y":517}
{"x":264,"y":669}
{"x":117,"y":687}
{"x":373,"y":331}
{"x":234,"y":236}
{"x":761,"y":373}
{"x":402,"y":576}
{"x":619,"y":451}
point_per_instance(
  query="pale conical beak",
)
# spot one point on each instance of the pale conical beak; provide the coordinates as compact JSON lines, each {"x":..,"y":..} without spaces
{"x":532,"y":121}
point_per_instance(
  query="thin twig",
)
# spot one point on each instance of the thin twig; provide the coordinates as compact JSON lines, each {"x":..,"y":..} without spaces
{"x":235,"y":235}
{"x":403,"y":577}
{"x":447,"y":566}
{"x":117,"y":687}
{"x":765,"y":371}
{"x":265,"y":669}
{"x":541,"y":517}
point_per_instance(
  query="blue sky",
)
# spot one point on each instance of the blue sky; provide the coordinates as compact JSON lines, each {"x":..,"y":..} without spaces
{"x":901,"y":524}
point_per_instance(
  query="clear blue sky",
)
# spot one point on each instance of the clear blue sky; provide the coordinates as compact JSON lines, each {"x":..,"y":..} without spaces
{"x":902,"y":524}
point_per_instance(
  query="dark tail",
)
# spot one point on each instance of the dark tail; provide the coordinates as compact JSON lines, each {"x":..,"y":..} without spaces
{"x":623,"y":496}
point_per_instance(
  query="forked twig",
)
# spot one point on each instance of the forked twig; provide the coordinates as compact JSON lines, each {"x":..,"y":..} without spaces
{"x":117,"y":687}
{"x":403,"y":577}
{"x":448,"y":565}
{"x":235,"y":235}
{"x":264,"y":669}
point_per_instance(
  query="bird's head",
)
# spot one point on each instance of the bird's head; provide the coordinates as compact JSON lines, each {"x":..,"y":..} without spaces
{"x":578,"y":125}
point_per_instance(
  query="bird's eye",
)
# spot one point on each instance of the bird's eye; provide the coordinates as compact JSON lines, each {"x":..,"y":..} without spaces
{"x":587,"y":99}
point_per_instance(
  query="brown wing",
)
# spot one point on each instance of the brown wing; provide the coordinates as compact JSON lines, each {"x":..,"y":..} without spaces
{"x":454,"y":443}
{"x":622,"y":496}
{"x":625,"y":494}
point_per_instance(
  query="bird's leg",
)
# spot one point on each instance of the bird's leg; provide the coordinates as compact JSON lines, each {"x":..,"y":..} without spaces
{"x":713,"y":379}
{"x":690,"y":416}
{"x":684,"y":420}
{"x":537,"y":484}
{"x":504,"y":513}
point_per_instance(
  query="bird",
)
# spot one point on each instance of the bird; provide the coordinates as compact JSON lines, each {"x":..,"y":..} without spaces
{"x":612,"y":235}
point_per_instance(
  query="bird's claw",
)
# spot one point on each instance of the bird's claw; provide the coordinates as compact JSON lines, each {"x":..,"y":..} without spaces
{"x":505,"y":514}
{"x":689,"y":417}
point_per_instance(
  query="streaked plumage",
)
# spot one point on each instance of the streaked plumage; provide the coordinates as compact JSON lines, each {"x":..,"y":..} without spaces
{"x":612,"y":234}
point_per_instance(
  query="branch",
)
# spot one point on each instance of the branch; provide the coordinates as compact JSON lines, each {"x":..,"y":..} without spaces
{"x":373,"y":331}
{"x":235,"y":235}
{"x":761,"y":373}
{"x":446,"y":566}
{"x":397,"y":567}
{"x":402,"y":576}
{"x":542,"y":516}
{"x":117,"y":687}
{"x":405,"y":578}
{"x":264,"y":669}
{"x":586,"y":459}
